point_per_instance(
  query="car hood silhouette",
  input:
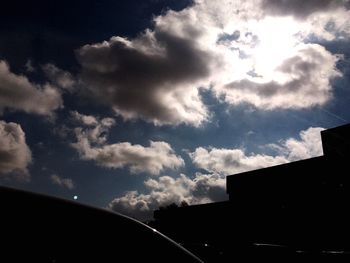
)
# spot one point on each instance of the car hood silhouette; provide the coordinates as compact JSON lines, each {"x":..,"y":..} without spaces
{"x":38,"y":228}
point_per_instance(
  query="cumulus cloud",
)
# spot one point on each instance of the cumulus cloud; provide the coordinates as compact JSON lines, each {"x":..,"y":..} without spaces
{"x":15,"y":155}
{"x":59,"y":77}
{"x":306,"y":75}
{"x":166,"y":190}
{"x":232,"y":161}
{"x":97,"y":130}
{"x":206,"y":188}
{"x":92,"y":145}
{"x":244,"y":51}
{"x":152,"y":159}
{"x":299,"y":8}
{"x":154,"y":77}
{"x":62,"y":182}
{"x":18,"y":93}
{"x":309,"y":145}
{"x":133,"y":204}
{"x":87,"y":119}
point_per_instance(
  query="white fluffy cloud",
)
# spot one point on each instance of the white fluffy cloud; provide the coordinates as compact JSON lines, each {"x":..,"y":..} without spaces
{"x":232,"y":161}
{"x":166,"y":190}
{"x":309,"y":145}
{"x":15,"y":155}
{"x":306,"y":82}
{"x":62,"y":182}
{"x":18,"y":93}
{"x":256,"y":52}
{"x":92,"y":145}
{"x":205,"y":188}
{"x":152,"y":159}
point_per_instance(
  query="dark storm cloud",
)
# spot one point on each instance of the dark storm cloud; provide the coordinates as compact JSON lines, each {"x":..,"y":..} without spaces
{"x":299,"y":8}
{"x":147,"y":77}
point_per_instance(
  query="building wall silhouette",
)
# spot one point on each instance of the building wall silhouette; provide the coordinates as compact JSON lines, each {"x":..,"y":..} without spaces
{"x":303,"y":204}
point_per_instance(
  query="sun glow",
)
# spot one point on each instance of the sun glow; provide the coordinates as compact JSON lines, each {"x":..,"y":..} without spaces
{"x":262,"y":47}
{"x":277,"y":41}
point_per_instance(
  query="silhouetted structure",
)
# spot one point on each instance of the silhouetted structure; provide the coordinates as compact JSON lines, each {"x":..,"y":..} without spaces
{"x":301,"y":206}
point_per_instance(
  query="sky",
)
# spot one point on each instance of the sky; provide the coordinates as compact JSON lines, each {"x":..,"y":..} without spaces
{"x":133,"y":105}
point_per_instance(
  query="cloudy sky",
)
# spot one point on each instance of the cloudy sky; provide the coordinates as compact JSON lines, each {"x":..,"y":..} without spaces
{"x":132,"y":105}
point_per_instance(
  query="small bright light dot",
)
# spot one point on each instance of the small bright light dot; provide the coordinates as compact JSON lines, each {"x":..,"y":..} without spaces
{"x":75,"y":197}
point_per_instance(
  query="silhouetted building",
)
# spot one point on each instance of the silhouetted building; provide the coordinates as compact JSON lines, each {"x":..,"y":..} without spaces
{"x":312,"y":182}
{"x":302,"y":204}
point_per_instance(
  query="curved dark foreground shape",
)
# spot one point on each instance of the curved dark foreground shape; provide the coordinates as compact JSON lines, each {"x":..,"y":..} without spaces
{"x":37,"y":228}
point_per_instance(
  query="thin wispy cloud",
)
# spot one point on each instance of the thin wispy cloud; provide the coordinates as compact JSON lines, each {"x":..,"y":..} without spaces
{"x":62,"y":182}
